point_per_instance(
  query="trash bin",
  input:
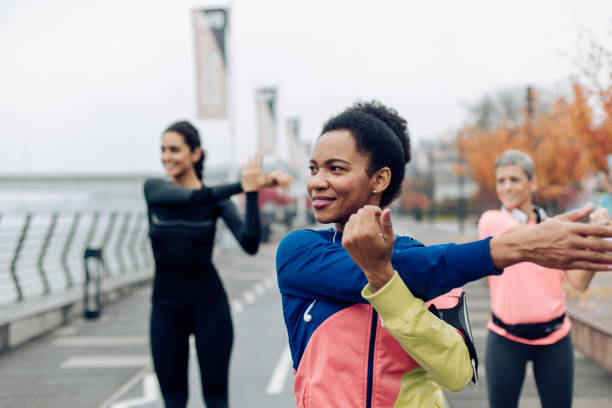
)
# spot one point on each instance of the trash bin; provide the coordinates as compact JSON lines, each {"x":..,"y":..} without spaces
{"x":94,"y":267}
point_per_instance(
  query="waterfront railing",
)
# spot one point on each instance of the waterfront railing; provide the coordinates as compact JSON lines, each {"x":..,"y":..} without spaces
{"x":42,"y":253}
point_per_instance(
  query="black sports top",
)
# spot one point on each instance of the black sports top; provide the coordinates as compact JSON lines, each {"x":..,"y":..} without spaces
{"x":182,"y":224}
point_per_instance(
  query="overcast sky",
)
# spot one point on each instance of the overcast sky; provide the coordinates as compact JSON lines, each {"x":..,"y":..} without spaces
{"x":88,"y":86}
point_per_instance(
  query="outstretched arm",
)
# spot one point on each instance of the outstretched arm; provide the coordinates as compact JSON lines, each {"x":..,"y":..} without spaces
{"x":311,"y":266}
{"x":160,"y":191}
{"x":560,"y":242}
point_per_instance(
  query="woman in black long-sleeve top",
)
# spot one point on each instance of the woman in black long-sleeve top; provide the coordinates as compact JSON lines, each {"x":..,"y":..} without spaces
{"x":188,"y":295}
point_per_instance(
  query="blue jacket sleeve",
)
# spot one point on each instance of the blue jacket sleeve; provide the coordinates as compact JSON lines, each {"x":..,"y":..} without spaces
{"x":309,"y":266}
{"x":434,"y":270}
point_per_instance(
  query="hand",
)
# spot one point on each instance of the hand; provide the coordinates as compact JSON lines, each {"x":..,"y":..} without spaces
{"x":251,"y":176}
{"x":559,"y":242}
{"x":580,"y":279}
{"x":278,"y":178}
{"x":368,"y":237}
{"x":600,"y":216}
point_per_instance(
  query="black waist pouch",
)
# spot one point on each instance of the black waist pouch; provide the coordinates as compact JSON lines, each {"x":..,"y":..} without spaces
{"x":530,"y":331}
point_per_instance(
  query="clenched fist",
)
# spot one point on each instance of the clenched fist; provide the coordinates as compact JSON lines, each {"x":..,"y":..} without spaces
{"x":368,"y":237}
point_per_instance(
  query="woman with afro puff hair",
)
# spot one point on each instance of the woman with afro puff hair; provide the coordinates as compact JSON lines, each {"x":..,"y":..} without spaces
{"x":360,"y":332}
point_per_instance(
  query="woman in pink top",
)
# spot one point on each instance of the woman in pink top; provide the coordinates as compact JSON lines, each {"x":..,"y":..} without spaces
{"x":527,"y":301}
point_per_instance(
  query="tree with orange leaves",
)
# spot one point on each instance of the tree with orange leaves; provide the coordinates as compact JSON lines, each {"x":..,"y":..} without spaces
{"x":564,"y":143}
{"x":569,"y":139}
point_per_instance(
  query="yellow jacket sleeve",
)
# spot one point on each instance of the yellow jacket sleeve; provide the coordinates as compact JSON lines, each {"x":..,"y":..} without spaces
{"x":437,"y":346}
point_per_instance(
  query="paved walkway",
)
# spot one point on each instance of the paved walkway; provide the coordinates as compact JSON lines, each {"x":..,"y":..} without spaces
{"x":106,"y":362}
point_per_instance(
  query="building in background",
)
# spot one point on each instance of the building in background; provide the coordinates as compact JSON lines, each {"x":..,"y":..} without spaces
{"x":434,"y":172}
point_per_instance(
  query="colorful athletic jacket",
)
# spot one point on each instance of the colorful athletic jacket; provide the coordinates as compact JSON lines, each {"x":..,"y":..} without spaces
{"x":443,"y":357}
{"x":342,"y":355}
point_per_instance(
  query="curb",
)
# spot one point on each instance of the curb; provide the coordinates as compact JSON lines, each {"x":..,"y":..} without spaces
{"x":32,"y":318}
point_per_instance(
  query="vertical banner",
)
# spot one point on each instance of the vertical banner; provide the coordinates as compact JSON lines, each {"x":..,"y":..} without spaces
{"x":298,"y":154}
{"x":265,"y":99}
{"x":209,"y":27}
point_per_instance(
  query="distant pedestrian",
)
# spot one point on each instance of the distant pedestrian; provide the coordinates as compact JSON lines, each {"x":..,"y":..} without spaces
{"x":527,"y":301}
{"x":188,"y":296}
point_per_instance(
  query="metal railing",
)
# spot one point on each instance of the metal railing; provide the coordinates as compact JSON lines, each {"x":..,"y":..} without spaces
{"x":42,"y":253}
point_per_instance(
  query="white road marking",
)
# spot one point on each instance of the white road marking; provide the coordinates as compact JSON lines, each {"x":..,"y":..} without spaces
{"x":249,"y":297}
{"x":260,"y":288}
{"x":117,"y":361}
{"x":125,"y":388}
{"x":100,"y":341}
{"x":66,"y":331}
{"x":283,"y":367}
{"x":269,"y":282}
{"x":237,"y":306}
{"x":150,"y":393}
{"x":479,"y":316}
{"x":474,"y":303}
{"x":479,"y":332}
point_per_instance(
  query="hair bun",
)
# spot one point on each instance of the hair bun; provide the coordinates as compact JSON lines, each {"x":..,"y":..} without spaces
{"x":391,"y":118}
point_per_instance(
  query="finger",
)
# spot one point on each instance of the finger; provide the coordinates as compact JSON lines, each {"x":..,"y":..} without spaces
{"x":372,"y":213}
{"x":595,"y":230}
{"x":600,"y":216}
{"x":360,"y":220}
{"x":287,"y":180}
{"x":347,"y":232}
{"x":576,"y":215}
{"x":387,"y":225}
{"x":590,"y":250}
{"x":371,"y":222}
{"x":590,"y":266}
{"x":377,"y":226}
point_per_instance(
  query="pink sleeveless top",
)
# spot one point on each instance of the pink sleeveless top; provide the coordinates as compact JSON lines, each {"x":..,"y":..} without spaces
{"x":525,"y":292}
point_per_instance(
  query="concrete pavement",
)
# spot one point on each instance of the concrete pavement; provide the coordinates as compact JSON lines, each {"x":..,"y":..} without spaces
{"x":106,"y":362}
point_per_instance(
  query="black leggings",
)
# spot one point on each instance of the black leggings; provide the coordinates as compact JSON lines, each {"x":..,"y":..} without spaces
{"x":553,"y":369}
{"x":211,"y":325}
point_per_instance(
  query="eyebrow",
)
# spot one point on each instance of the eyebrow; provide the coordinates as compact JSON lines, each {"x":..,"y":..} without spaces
{"x":329,"y":161}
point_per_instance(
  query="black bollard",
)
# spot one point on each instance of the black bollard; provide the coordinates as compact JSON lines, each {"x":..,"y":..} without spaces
{"x":94,"y":267}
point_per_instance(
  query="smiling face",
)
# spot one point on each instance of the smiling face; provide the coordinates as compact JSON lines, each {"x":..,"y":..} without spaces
{"x":513,"y":188}
{"x":177,"y":158}
{"x":339,"y":184}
